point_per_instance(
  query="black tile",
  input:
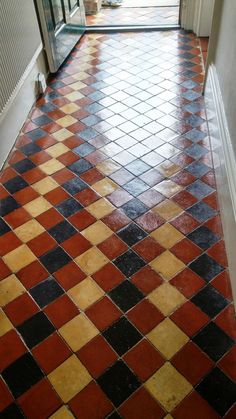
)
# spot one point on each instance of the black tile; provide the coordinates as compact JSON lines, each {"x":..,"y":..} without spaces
{"x":201,"y":211}
{"x":134,"y":208}
{"x":80,"y":166}
{"x":218,"y":390}
{"x":42,"y":120}
{"x":118,"y":383}
{"x":46,"y":291}
{"x":69,"y":207}
{"x":62,"y":231}
{"x":131,"y":234}
{"x":122,"y":336}
{"x":199,"y":189}
{"x":84,"y":149}
{"x":8,"y":205}
{"x":203,"y":237}
{"x":126,"y":295}
{"x":55,"y":259}
{"x":24,"y":165}
{"x":30,"y":149}
{"x":22,"y":374}
{"x":135,"y":187}
{"x":36,"y":134}
{"x":129,"y":263}
{"x":74,"y":186}
{"x":15,"y":184}
{"x":210,"y":301}
{"x":4,"y":228}
{"x":12,"y":412}
{"x":206,"y":267}
{"x":36,"y":329}
{"x":214,"y":341}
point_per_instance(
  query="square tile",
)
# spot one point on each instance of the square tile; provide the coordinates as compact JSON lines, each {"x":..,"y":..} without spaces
{"x":105,"y":187}
{"x":167,"y":235}
{"x":103,"y":313}
{"x":145,"y":316}
{"x":142,"y":404}
{"x":131,"y":234}
{"x":167,"y":265}
{"x":86,"y":293}
{"x":210,"y":301}
{"x":19,"y":258}
{"x":97,"y":232}
{"x":5,"y":324}
{"x":20,"y":309}
{"x":135,"y":187}
{"x":122,"y":335}
{"x":62,"y":231}
{"x":29,"y":230}
{"x":69,"y":378}
{"x":203,"y":237}
{"x":201,"y":211}
{"x":15,"y":184}
{"x":168,"y":188}
{"x":213,"y":341}
{"x":51,"y":166}
{"x":45,"y":185}
{"x":55,"y":259}
{"x":80,"y":166}
{"x":194,"y":405}
{"x":129,"y":263}
{"x":78,"y":331}
{"x":100,"y":208}
{"x":91,"y":261}
{"x":74,"y":185}
{"x":112,"y":247}
{"x":35,"y":329}
{"x":134,"y":208}
{"x":57,"y":150}
{"x":11,"y":349}
{"x":199,"y":189}
{"x":37,"y":206}
{"x":69,"y":207}
{"x":166,"y":298}
{"x":108,"y":277}
{"x":126,"y":295}
{"x":46,"y":291}
{"x":206,"y":267}
{"x":10,"y":288}
{"x":61,"y":310}
{"x":190,"y":318}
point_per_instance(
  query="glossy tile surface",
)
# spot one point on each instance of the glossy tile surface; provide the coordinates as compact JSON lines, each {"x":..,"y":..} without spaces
{"x":115,"y":300}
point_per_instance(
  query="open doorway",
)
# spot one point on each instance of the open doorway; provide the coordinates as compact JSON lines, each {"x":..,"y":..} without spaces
{"x":108,"y":13}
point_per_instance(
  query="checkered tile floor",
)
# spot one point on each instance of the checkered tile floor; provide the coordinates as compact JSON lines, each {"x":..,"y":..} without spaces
{"x":114,"y":293}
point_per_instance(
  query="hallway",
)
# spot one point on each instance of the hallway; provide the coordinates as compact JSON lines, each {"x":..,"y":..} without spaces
{"x":114,"y":292}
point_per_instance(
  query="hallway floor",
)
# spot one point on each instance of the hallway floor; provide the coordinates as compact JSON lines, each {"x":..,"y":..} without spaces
{"x":114,"y":293}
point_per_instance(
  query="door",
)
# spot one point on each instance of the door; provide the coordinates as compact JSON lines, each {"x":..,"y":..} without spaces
{"x":62,"y":24}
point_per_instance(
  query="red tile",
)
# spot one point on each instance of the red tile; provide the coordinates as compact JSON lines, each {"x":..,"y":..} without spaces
{"x":21,"y":309}
{"x":17,"y":217}
{"x":116,"y":220}
{"x":183,"y":178}
{"x":69,"y":275}
{"x":32,"y":274}
{"x":108,"y":277}
{"x":3,"y":192}
{"x":144,"y":360}
{"x":82,"y":219}
{"x":91,"y":403}
{"x":97,"y":356}
{"x":40,"y":157}
{"x":42,"y":244}
{"x":228,"y":363}
{"x":33,"y":175}
{"x":103,"y":313}
{"x":7,"y":174}
{"x":222,"y":284}
{"x":151,"y":197}
{"x":68,"y":158}
{"x":63,"y":175}
{"x":56,"y":196}
{"x":141,"y":405}
{"x":51,"y":353}
{"x":112,"y":247}
{"x":40,"y":401}
{"x":92,"y":176}
{"x":11,"y":348}
{"x":25,"y":195}
{"x":182,"y":159}
{"x":76,"y":245}
{"x":148,"y":249}
{"x":190,"y":318}
{"x":226,"y":320}
{"x":185,"y":223}
{"x":49,"y":218}
{"x":56,"y":114}
{"x":87,"y":197}
{"x":4,"y":270}
{"x":188,"y":283}
{"x":218,"y":252}
{"x":215,"y":225}
{"x":15,"y":157}
{"x":209,"y":178}
{"x":145,"y":316}
{"x":186,"y":251}
{"x":146,"y":279}
{"x":184,"y":199}
{"x":212,"y":201}
{"x":96,"y":157}
{"x":9,"y":242}
{"x":6,"y":398}
{"x":194,"y":407}
{"x":150,"y":221}
{"x":61,"y":310}
{"x":46,"y":142}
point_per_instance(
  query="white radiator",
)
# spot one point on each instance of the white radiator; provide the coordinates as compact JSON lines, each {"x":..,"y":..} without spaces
{"x":19,"y":40}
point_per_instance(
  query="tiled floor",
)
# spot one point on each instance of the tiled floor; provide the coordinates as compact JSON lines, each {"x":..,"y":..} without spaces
{"x":114,"y":293}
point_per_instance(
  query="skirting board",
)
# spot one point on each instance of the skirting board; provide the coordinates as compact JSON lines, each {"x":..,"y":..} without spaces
{"x":17,"y":110}
{"x":225,"y":167}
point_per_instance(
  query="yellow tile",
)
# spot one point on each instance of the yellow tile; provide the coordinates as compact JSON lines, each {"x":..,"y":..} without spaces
{"x":167,"y":264}
{"x":97,"y":232}
{"x":70,"y":108}
{"x":51,"y":166}
{"x":168,"y":417}
{"x":166,"y":298}
{"x":86,"y":293}
{"x":108,"y":167}
{"x":167,"y":338}
{"x":45,"y":185}
{"x":75,"y":95}
{"x":168,"y":168}
{"x":80,"y":76}
{"x":62,"y":134}
{"x":168,"y":386}
{"x":168,"y":188}
{"x":69,"y":378}
{"x":78,"y":331}
{"x":10,"y":288}
{"x":105,"y":186}
{"x":37,"y":206}
{"x":167,"y":210}
{"x":62,"y":413}
{"x":66,"y":121}
{"x":91,"y":261}
{"x":100,"y":208}
{"x":5,"y":324}
{"x":19,"y":258}
{"x":29,"y":230}
{"x":57,"y":150}
{"x":167,"y":235}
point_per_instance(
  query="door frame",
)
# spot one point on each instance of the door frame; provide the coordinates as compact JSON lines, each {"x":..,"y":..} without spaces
{"x":196,"y":15}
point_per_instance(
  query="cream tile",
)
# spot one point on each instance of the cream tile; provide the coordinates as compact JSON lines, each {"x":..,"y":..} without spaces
{"x":167,"y":265}
{"x":97,"y":232}
{"x":45,"y":185}
{"x":108,"y":167}
{"x":19,"y":258}
{"x":100,"y":208}
{"x":167,"y":338}
{"x":167,"y":235}
{"x":57,"y":150}
{"x":168,"y":188}
{"x":69,"y":378}
{"x":5,"y":324}
{"x":66,"y":121}
{"x":62,"y":413}
{"x":167,"y":210}
{"x":80,"y":76}
{"x":78,"y":331}
{"x":168,"y":168}
{"x":91,"y":261}
{"x":105,"y":186}
{"x":86,"y":293}
{"x":37,"y":206}
{"x":70,"y":108}
{"x":168,"y":386}
{"x":75,"y":95}
{"x":29,"y":230}
{"x":51,"y":166}
{"x":10,"y":288}
{"x":166,"y":298}
{"x":62,"y":134}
